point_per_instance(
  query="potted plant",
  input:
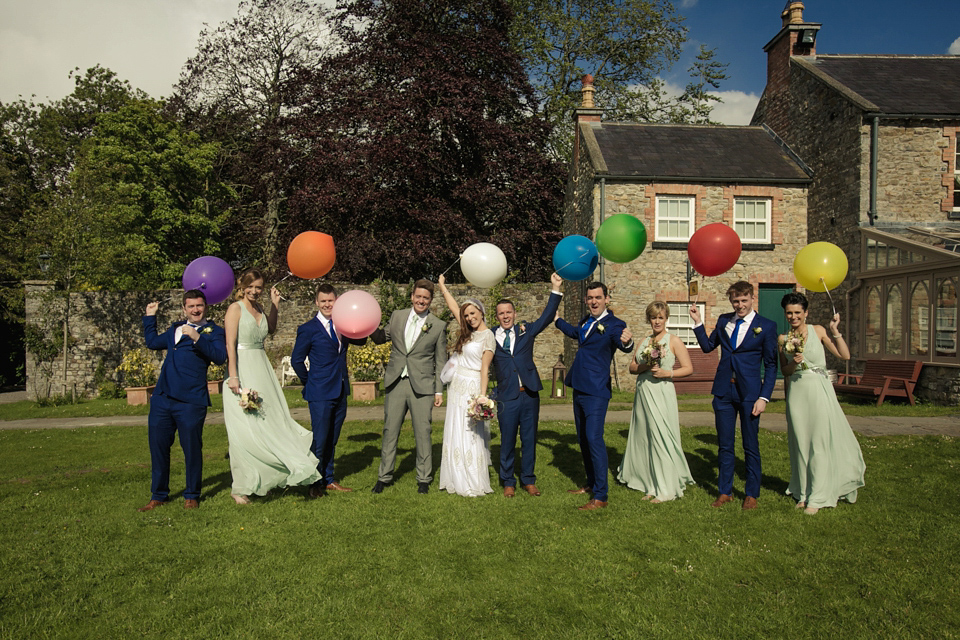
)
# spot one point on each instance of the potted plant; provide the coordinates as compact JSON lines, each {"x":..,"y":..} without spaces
{"x":366,"y":365}
{"x":139,"y":371}
{"x":215,"y":376}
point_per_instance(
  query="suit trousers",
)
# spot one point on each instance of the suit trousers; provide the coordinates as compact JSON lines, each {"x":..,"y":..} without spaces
{"x":169,"y":417}
{"x":726,"y":409}
{"x":520,"y":415}
{"x":397,"y":400}
{"x":326,"y":418}
{"x":589,"y":414}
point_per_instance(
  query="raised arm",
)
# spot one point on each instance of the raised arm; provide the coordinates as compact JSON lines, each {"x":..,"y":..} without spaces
{"x":150,"y":336}
{"x":840,"y":350}
{"x":448,"y":298}
{"x":273,"y":312}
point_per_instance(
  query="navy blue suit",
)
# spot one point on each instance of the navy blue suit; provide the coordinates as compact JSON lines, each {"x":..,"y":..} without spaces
{"x":589,"y":375}
{"x":736,"y":388}
{"x":519,"y":410}
{"x":326,"y":386}
{"x":179,"y":403}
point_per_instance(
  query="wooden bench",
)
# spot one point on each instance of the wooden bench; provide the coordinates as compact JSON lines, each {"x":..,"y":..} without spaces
{"x":704,"y":370}
{"x":882,"y":378}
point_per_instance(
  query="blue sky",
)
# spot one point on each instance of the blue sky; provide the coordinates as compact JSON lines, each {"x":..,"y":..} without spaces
{"x":147,"y":41}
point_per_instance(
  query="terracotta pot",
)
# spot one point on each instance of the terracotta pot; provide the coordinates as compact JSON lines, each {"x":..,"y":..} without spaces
{"x":365,"y":391}
{"x":215,"y":387}
{"x":139,"y":395}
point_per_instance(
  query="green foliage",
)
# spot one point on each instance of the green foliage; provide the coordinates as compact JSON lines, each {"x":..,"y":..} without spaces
{"x":367,"y":363}
{"x":391,"y":297}
{"x":138,"y":368}
{"x":108,"y":389}
{"x":216,"y":372}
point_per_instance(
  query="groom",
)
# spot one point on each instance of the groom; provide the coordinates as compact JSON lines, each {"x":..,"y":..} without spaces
{"x":746,"y":339}
{"x":179,"y":403}
{"x":518,"y":389}
{"x":412,"y":382}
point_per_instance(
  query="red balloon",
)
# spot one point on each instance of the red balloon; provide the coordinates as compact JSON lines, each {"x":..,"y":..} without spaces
{"x":714,"y":249}
{"x":311,"y":255}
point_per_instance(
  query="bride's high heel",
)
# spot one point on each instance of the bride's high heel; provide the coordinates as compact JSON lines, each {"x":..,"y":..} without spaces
{"x":240,"y":499}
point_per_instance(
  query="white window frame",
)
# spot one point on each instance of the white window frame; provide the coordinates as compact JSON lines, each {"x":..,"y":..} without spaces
{"x":956,"y":170}
{"x":743,"y":222}
{"x":663,"y":218}
{"x":681,"y":325}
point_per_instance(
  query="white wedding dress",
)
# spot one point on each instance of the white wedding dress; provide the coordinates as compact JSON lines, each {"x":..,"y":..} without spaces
{"x":464,"y":466}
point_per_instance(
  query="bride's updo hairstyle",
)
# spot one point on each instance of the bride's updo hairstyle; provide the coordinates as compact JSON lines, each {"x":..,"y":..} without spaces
{"x":247,"y":278}
{"x":465,"y":329}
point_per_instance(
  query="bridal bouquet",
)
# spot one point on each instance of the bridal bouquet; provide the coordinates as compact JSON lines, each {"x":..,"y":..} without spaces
{"x":250,"y":400}
{"x":792,"y":343}
{"x":480,"y":408}
{"x":652,"y":353}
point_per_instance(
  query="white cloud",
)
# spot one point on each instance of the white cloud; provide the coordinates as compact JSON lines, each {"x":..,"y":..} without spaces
{"x":954,"y":49}
{"x":737,"y":107}
{"x":686,"y":4}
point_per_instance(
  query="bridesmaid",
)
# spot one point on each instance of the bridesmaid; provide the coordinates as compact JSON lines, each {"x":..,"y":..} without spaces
{"x":653,"y":461}
{"x":826,"y":464}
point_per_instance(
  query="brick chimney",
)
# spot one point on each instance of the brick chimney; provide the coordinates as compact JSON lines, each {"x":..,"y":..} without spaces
{"x":795,"y":38}
{"x":586,"y":113}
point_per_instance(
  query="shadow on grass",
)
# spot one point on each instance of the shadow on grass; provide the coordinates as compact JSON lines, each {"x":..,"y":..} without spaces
{"x":703,"y":467}
{"x":566,"y":454}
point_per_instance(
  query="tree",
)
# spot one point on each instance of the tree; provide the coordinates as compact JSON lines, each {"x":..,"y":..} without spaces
{"x":696,"y":101}
{"x":232,"y":91}
{"x":422,"y":140}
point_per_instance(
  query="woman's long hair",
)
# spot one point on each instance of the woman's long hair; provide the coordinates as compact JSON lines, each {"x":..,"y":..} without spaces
{"x":247,"y":278}
{"x":465,"y":329}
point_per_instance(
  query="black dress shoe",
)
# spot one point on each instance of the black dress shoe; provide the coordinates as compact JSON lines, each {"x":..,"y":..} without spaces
{"x":379,"y":487}
{"x":423,"y":487}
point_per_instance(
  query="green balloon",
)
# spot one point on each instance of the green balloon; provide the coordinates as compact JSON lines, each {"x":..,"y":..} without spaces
{"x":621,"y":238}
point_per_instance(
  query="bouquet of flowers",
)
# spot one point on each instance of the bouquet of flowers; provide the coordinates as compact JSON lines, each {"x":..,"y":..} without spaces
{"x":250,"y":400}
{"x":652,"y":353}
{"x":792,"y":343}
{"x":480,"y":408}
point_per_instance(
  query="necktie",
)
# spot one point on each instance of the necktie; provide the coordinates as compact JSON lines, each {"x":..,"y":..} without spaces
{"x":506,"y":340}
{"x":333,"y":333}
{"x":411,"y":335}
{"x":736,"y":331}
{"x":586,"y":327}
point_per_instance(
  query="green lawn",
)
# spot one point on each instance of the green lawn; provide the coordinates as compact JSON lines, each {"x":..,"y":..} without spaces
{"x":80,"y":562}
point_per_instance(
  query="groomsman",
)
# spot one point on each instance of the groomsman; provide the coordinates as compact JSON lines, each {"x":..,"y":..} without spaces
{"x":518,"y":387}
{"x":326,"y":384}
{"x":599,"y":335}
{"x":412,"y":382}
{"x":746,"y":339}
{"x":179,"y":403}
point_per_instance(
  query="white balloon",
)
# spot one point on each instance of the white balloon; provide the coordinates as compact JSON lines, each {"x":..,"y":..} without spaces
{"x":483,"y":264}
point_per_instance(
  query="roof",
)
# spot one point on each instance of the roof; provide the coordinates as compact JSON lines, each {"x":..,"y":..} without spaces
{"x":695,"y":152}
{"x":908,"y":85}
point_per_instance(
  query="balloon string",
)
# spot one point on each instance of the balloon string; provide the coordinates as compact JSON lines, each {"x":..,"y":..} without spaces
{"x":572,"y":261}
{"x":452,"y":265}
{"x":697,"y":299}
{"x":289,"y":273}
{"x":829,"y":296}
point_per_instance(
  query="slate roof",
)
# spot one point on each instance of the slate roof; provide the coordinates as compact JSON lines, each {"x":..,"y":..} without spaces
{"x":697,"y":152}
{"x":927,"y":85}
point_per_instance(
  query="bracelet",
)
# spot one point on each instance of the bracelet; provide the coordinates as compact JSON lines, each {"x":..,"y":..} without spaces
{"x":837,"y":336}
{"x":233,"y":378}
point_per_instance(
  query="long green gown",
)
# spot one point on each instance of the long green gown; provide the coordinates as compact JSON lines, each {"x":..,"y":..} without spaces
{"x":826,"y":464}
{"x":268,"y":448}
{"x":653,"y":461}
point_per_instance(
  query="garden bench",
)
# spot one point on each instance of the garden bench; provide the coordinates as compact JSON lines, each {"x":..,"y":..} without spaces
{"x":882,"y":378}
{"x":704,"y":371}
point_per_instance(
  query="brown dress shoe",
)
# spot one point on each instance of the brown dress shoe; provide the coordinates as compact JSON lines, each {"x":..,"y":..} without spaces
{"x":749,"y":503}
{"x":153,"y":504}
{"x":316,"y":491}
{"x":593,"y":505}
{"x":722,"y":500}
{"x":579,"y":490}
{"x":508,"y":492}
{"x":190,"y":504}
{"x":333,"y":486}
{"x":532,"y":489}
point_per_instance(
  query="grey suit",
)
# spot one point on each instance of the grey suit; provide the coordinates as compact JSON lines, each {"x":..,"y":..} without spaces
{"x":414,"y":391}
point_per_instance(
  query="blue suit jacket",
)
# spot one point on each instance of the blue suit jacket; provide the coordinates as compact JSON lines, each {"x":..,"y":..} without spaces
{"x":743,"y":363}
{"x":327,"y":377}
{"x":590,"y":371}
{"x":518,"y":367}
{"x":183,"y":375}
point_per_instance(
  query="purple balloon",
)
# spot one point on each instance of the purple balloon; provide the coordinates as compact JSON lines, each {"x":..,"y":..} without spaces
{"x":211,"y":275}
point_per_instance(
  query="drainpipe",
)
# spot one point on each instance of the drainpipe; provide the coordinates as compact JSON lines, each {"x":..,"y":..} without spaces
{"x":846,"y":300}
{"x":603,"y":215}
{"x":874,"y":127}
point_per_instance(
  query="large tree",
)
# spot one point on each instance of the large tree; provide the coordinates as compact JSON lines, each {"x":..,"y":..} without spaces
{"x":422,"y":140}
{"x":232,"y":91}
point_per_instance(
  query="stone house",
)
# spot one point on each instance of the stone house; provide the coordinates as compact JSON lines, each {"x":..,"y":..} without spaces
{"x":676,"y":179}
{"x":880,"y":134}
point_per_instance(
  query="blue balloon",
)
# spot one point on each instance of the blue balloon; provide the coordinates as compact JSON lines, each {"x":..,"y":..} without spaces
{"x":575,"y":258}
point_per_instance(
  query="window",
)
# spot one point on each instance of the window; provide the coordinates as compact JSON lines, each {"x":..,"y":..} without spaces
{"x":956,"y":174}
{"x":946,"y":318}
{"x":751,"y":220}
{"x":680,"y":324}
{"x":674,"y":218}
{"x":872,"y":332}
{"x":894,"y":326}
{"x":920,"y":319}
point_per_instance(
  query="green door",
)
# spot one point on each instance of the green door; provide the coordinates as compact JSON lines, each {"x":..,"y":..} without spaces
{"x":768,"y":305}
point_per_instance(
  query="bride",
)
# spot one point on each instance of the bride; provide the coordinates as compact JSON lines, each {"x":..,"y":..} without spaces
{"x":466,"y":440}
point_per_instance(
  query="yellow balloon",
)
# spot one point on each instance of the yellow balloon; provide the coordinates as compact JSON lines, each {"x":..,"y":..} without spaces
{"x":820,"y":260}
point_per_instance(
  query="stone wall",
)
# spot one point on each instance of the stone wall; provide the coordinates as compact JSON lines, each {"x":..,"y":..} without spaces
{"x":910,"y":170}
{"x":103,"y":325}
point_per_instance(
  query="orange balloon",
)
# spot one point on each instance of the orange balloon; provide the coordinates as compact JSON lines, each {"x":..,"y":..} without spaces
{"x":311,"y":255}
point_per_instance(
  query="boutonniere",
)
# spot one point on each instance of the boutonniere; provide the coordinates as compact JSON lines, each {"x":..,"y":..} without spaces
{"x":426,"y":327}
{"x":601,"y":328}
{"x":756,"y":331}
{"x":207,"y":329}
{"x":521,"y":329}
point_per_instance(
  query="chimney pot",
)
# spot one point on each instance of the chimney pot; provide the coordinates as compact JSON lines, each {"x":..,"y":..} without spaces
{"x":792,"y":13}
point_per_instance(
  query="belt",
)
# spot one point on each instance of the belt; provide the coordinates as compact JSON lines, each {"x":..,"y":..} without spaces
{"x":523,"y":389}
{"x":250,"y":346}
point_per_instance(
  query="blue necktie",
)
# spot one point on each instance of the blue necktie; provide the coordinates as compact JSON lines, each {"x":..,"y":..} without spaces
{"x":736,"y":332}
{"x":586,"y":327}
{"x":506,"y":340}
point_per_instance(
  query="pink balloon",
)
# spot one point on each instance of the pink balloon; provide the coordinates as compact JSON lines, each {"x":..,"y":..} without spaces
{"x":356,"y":314}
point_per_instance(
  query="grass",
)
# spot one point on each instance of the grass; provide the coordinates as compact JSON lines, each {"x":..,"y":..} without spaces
{"x":80,"y":562}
